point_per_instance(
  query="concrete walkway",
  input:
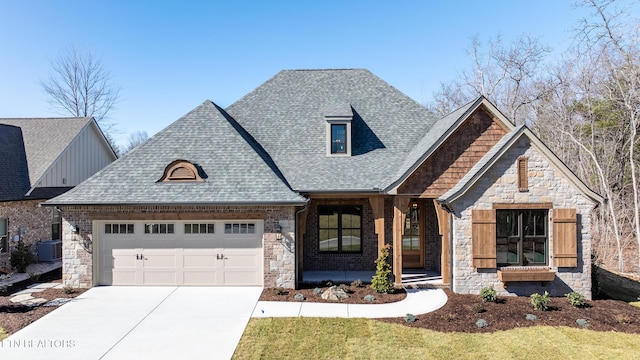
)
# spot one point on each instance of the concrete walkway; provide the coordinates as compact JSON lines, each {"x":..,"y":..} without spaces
{"x":417,"y":302}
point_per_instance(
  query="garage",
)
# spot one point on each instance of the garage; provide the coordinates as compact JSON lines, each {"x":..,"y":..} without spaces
{"x":197,"y":253}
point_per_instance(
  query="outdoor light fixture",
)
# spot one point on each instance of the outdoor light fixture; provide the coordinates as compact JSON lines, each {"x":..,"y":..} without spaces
{"x":279,"y":232}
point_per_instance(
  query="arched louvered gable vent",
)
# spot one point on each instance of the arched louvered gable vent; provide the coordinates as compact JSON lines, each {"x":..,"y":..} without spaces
{"x":181,"y":171}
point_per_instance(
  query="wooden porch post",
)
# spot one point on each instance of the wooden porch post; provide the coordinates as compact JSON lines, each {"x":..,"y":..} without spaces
{"x":400,"y":204}
{"x":443,"y":226}
{"x":377,"y":204}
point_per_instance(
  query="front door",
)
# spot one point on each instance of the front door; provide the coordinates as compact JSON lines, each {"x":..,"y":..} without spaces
{"x":413,"y":237}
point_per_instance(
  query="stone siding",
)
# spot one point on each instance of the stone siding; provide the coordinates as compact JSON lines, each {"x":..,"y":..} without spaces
{"x":500,"y":185}
{"x":279,"y":259}
{"x":27,"y":214}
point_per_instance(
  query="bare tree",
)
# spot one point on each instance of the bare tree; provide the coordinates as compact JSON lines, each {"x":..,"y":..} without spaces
{"x":136,"y":138}
{"x":79,"y":85}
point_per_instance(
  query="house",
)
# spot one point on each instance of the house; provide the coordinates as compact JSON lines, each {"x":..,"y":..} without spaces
{"x":42,"y":158}
{"x":317,"y":170}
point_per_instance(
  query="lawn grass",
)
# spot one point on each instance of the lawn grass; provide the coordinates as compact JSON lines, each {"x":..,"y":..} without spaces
{"x":3,"y":334}
{"x":333,"y":338}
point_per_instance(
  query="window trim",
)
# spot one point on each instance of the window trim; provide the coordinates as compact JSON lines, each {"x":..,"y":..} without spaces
{"x":340,"y":229}
{"x":522,"y":237}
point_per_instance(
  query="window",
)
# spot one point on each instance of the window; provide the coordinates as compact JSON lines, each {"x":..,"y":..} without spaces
{"x":56,"y":224}
{"x":240,"y":228}
{"x":198,"y":228}
{"x":158,"y":228}
{"x":181,"y":171}
{"x":4,"y":244}
{"x":411,"y":237}
{"x":340,"y":228}
{"x":118,"y":229}
{"x":338,"y":138}
{"x":521,"y":237}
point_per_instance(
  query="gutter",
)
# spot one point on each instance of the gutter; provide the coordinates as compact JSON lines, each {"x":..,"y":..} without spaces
{"x":239,"y":203}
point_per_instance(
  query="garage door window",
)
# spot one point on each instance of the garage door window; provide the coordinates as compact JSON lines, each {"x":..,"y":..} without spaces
{"x":118,"y":229}
{"x":158,"y":229}
{"x":198,"y":228}
{"x":240,"y":228}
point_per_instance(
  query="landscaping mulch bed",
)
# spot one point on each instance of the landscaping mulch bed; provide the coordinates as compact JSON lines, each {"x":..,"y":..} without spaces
{"x":356,"y":295}
{"x":461,"y":312}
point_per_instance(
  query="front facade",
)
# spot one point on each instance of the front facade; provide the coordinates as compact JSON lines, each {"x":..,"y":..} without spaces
{"x":317,"y":170}
{"x":43,"y":158}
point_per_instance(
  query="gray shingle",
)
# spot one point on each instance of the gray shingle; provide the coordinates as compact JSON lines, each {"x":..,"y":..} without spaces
{"x":286,"y":115}
{"x":237,"y":170}
{"x":45,"y":139}
{"x":14,"y":177}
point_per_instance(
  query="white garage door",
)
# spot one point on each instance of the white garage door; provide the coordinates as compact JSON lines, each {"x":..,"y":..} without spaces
{"x":180,"y":252}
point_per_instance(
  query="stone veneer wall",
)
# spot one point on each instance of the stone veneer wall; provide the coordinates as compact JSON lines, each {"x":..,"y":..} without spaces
{"x":26,"y":214}
{"x":499,"y":185}
{"x":279,"y":259}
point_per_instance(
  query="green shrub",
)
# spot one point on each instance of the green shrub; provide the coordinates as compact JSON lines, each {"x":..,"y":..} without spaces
{"x":34,"y":277}
{"x":540,"y":302}
{"x":299,"y":297}
{"x":381,"y":281}
{"x":356,"y":283}
{"x":482,"y":323}
{"x":488,"y":294}
{"x":69,"y":290}
{"x":369,"y":298}
{"x":531,"y":317}
{"x":317,"y":291}
{"x":582,"y":322}
{"x":21,"y":257}
{"x":409,"y":318}
{"x":576,"y":299}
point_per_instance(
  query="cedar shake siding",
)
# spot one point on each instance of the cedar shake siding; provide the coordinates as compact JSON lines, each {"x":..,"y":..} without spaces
{"x":441,"y":171}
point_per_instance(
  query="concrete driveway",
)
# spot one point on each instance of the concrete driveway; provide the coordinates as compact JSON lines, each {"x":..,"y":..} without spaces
{"x":115,"y":322}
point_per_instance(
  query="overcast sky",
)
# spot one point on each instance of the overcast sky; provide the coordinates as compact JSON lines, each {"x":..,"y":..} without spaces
{"x":168,"y":57}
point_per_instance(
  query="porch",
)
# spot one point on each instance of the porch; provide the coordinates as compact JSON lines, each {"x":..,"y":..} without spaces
{"x":410,"y":278}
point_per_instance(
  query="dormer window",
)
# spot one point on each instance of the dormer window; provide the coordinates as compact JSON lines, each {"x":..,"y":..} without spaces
{"x":338,"y":123}
{"x":181,"y":171}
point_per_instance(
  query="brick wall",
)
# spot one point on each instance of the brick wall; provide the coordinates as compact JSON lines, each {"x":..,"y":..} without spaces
{"x":455,"y":157}
{"x":500,"y":185}
{"x":314,"y":260}
{"x":28,"y":215}
{"x":77,"y":265}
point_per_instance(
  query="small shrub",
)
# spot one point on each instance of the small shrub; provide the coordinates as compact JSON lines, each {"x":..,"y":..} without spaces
{"x":357,"y":283}
{"x":409,"y":318}
{"x":34,"y":277}
{"x":317,"y":291}
{"x":531,"y":317}
{"x":381,"y":281}
{"x":623,"y":319}
{"x":576,"y":299}
{"x":488,"y":294}
{"x":69,"y":290}
{"x":582,"y":322}
{"x":540,"y":302}
{"x":479,"y":308}
{"x":369,"y":298}
{"x":482,"y":323}
{"x":326,"y":283}
{"x":299,"y":297}
{"x":450,"y":317}
{"x":21,"y":256}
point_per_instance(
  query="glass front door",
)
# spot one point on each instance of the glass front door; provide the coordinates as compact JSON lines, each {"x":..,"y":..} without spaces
{"x":413,"y":237}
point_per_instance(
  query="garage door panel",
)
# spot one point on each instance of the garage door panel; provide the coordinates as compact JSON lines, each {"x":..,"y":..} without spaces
{"x":180,"y":259}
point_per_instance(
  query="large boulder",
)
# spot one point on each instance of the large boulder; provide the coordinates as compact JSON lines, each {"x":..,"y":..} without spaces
{"x":334,"y":293}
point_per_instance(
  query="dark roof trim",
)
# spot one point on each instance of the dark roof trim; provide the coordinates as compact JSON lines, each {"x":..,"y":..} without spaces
{"x":238,"y":203}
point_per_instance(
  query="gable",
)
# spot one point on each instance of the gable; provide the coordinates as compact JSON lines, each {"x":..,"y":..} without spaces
{"x":455,"y":157}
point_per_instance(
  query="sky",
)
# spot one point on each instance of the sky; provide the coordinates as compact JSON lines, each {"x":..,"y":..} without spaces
{"x":168,"y":57}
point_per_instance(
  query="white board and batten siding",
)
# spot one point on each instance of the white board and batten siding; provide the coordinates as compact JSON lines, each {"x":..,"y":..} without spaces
{"x":230,"y":255}
{"x":87,"y":153}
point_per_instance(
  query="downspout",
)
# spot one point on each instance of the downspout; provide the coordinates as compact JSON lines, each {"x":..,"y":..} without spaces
{"x":451,"y":251}
{"x":296,"y":242}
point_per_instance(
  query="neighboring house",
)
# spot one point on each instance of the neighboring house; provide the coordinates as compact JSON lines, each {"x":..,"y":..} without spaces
{"x":40,"y":159}
{"x":316,"y":170}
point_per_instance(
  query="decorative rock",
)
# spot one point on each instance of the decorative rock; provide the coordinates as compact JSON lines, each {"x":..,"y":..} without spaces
{"x":58,"y":302}
{"x":21,"y":298}
{"x":334,"y":293}
{"x":34,"y":302}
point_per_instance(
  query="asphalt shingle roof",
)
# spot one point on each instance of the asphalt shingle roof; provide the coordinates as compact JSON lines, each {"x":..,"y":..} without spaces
{"x":236,"y":169}
{"x":286,"y":115}
{"x":14,"y":178}
{"x":45,"y":139}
